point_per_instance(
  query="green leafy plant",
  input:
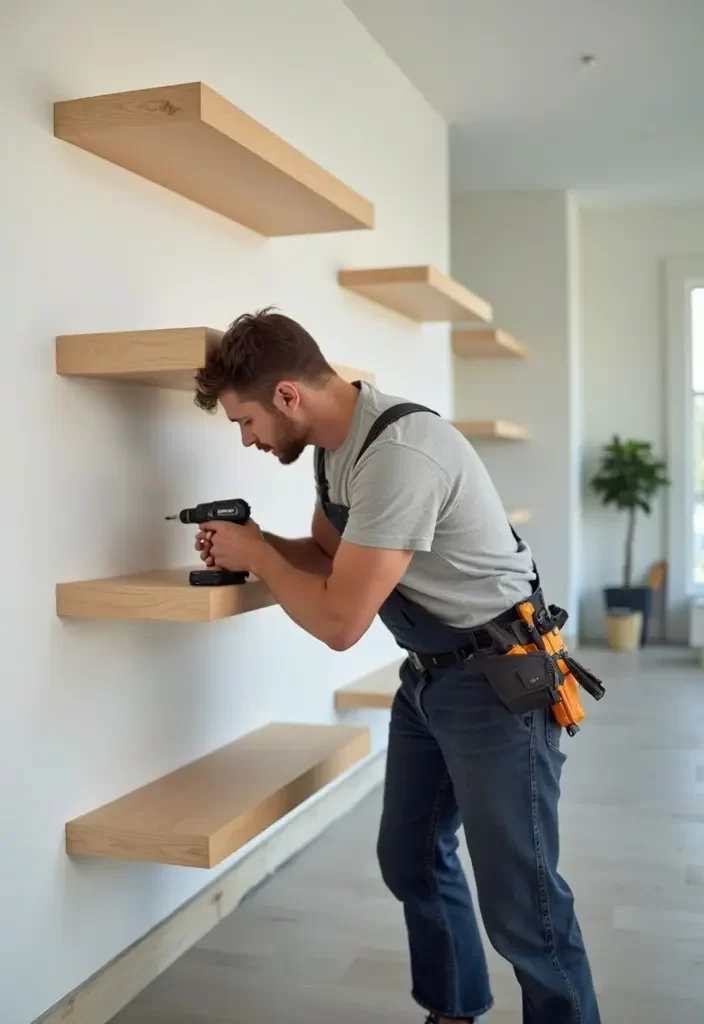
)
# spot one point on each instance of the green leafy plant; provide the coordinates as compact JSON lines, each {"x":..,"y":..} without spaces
{"x":629,"y":476}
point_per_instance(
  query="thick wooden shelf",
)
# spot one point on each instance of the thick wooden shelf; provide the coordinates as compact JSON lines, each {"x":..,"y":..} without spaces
{"x":492,"y":343}
{"x":160,"y":358}
{"x":163,"y":594}
{"x":193,"y":141}
{"x":350,"y":373}
{"x":421,"y":293}
{"x":501,"y":429}
{"x":519,"y":516}
{"x":376,"y":690}
{"x":201,"y":813}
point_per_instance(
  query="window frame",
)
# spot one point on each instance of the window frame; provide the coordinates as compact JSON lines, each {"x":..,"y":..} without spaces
{"x":682,"y":276}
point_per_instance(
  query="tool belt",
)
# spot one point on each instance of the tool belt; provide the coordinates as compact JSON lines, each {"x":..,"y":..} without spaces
{"x":543,"y":674}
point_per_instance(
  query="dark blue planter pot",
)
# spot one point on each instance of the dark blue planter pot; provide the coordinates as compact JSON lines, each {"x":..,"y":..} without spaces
{"x":632,"y":599}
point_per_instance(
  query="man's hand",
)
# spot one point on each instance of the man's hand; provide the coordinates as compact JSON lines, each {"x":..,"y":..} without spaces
{"x":229,"y":545}
{"x":337,"y":608}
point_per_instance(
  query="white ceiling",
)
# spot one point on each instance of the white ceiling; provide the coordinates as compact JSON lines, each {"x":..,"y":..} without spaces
{"x":526,"y":114}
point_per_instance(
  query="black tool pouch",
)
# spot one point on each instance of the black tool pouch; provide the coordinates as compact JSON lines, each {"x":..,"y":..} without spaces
{"x":522,"y":682}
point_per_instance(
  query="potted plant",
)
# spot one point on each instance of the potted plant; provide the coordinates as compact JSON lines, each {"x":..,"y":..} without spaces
{"x":629,"y":477}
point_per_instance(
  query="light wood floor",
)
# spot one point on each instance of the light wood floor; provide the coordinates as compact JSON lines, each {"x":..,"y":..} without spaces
{"x":323,"y":943}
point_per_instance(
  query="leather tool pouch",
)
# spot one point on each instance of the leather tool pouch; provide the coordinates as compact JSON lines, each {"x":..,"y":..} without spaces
{"x":524,"y":683}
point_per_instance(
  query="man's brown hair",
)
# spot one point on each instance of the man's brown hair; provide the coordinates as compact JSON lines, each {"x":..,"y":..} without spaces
{"x":256,"y":352}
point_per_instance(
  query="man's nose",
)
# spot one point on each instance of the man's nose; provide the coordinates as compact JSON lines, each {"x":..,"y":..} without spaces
{"x":247,"y":438}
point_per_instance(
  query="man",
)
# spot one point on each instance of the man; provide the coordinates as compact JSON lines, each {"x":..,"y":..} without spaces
{"x":408,"y":525}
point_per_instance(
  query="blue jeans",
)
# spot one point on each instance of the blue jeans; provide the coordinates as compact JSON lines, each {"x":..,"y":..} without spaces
{"x":457,"y":755}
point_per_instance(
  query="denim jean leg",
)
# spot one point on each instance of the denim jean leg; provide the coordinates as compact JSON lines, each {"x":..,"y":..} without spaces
{"x":506,"y":774}
{"x":418,"y":857}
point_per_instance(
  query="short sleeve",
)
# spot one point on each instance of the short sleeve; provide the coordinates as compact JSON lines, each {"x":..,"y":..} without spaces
{"x":397,"y":495}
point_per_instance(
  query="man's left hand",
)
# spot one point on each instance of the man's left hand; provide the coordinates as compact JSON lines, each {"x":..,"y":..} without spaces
{"x":232,"y":546}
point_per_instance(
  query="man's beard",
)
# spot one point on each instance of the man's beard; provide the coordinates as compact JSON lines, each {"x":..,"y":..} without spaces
{"x":289,"y":443}
{"x":289,"y":452}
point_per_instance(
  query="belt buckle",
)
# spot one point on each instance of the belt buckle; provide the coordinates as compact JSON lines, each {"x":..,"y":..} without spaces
{"x":415,"y":661}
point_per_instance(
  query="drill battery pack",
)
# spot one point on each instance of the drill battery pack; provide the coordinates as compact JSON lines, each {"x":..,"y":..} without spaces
{"x":215,"y":577}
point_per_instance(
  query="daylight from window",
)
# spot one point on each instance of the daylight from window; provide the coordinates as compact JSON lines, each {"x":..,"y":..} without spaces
{"x":697,"y":311}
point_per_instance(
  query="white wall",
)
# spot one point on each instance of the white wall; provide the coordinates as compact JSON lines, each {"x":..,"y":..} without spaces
{"x":624,"y":371}
{"x":92,"y":710}
{"x":515,"y":250}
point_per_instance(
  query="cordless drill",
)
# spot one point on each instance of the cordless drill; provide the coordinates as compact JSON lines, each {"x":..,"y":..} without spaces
{"x":232,"y":510}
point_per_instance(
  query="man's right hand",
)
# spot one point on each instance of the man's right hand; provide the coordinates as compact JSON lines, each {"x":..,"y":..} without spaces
{"x":311,"y":554}
{"x":203,"y":546}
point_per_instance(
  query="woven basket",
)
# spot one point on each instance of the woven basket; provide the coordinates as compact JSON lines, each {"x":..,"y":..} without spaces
{"x":623,"y":630}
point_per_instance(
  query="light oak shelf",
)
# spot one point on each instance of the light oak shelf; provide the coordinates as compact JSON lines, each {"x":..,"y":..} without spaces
{"x":519,"y":516}
{"x":375,"y":690}
{"x":166,"y":358}
{"x":201,"y":813}
{"x":500,"y":429}
{"x":421,"y":293}
{"x":492,"y":343}
{"x":194,"y":142}
{"x":163,"y":594}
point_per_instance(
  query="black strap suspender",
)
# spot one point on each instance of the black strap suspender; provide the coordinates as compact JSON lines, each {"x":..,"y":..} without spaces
{"x":384,"y":420}
{"x":387,"y":417}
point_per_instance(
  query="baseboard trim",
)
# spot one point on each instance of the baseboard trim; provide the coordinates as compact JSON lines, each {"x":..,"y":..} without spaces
{"x":112,"y":988}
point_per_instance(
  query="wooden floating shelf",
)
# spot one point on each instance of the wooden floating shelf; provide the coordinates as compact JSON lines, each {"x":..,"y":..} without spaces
{"x":350,"y":373}
{"x":501,"y":429}
{"x":486,"y":344}
{"x":519,"y":516}
{"x":165,"y":595}
{"x":421,"y":293}
{"x":376,"y":690}
{"x":201,"y":813}
{"x":193,"y":141}
{"x":160,"y":358}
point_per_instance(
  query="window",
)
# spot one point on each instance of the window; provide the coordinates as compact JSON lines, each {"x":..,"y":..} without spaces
{"x":696,"y":388}
{"x":684,"y":343}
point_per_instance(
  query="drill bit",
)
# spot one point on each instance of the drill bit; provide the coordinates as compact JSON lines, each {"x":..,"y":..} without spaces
{"x":171,"y":517}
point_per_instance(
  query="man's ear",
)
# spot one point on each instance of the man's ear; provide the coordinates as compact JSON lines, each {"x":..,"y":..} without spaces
{"x":287,"y":397}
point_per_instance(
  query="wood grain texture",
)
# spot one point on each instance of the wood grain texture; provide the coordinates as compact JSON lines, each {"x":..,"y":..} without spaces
{"x":160,"y":358}
{"x":500,"y":429}
{"x":492,"y":343}
{"x":201,"y":813}
{"x":167,"y":358}
{"x":421,"y":293}
{"x":375,"y":690}
{"x":194,"y":142}
{"x":163,"y":594}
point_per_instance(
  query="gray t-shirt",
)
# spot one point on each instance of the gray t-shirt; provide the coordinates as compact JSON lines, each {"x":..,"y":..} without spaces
{"x":422,"y":487}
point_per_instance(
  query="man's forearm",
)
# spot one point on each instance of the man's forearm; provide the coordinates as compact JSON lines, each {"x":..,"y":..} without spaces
{"x":302,"y":594}
{"x":302,"y":553}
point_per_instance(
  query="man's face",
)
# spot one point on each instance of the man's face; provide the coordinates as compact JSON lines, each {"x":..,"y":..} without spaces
{"x":275,"y":429}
